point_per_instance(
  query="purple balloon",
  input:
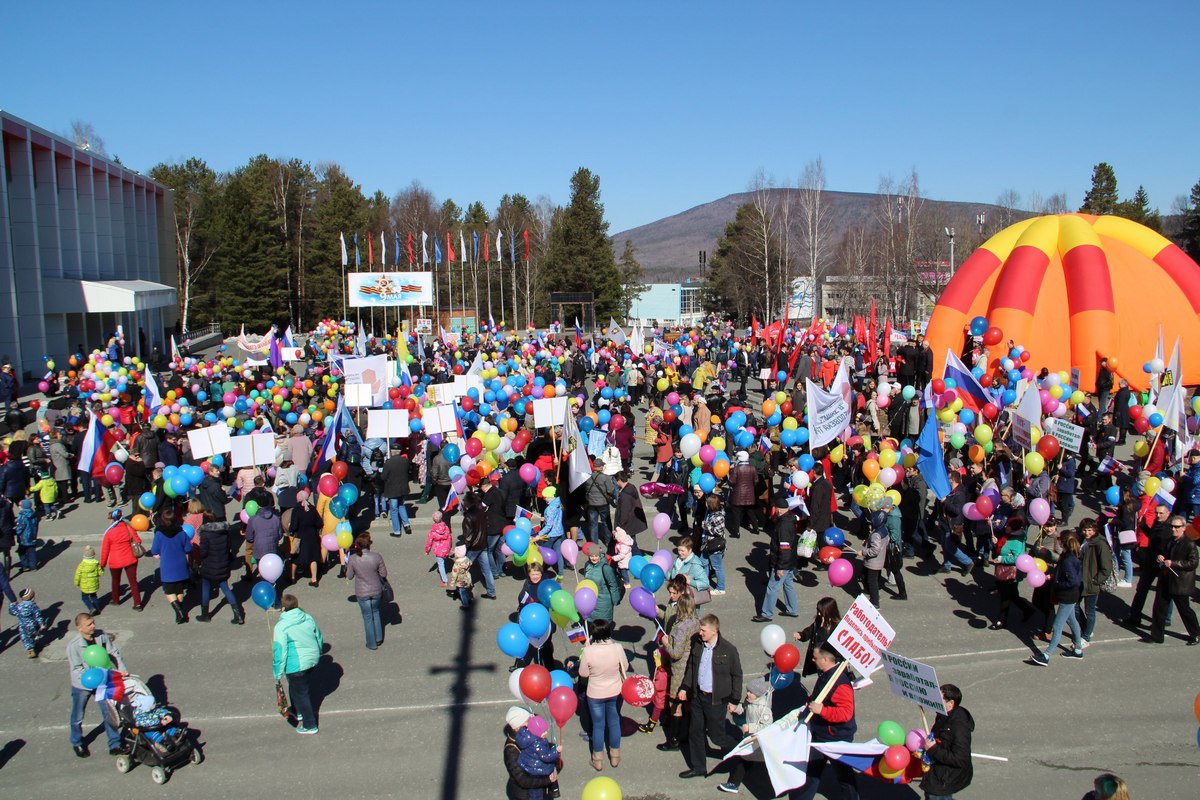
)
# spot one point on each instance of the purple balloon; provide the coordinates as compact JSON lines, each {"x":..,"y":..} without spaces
{"x":643,"y":602}
{"x":585,"y":601}
{"x":436,"y":440}
{"x":664,"y":559}
{"x":549,"y":557}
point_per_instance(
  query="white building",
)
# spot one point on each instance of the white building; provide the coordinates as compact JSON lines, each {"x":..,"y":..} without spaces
{"x":85,"y":245}
{"x":667,"y":304}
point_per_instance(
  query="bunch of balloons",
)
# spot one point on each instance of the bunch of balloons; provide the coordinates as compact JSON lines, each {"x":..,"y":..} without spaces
{"x":1034,"y":569}
{"x":785,"y":657}
{"x":652,"y":574}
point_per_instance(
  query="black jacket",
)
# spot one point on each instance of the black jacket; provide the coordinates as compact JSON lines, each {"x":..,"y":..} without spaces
{"x":395,"y":477}
{"x":951,"y":755}
{"x":783,"y":542}
{"x":519,"y":781}
{"x":497,"y":521}
{"x":513,"y":489}
{"x":631,"y":517}
{"x":1160,"y":539}
{"x":213,"y":496}
{"x":218,"y":543}
{"x":820,"y":502}
{"x":1182,"y":554}
{"x":726,"y":672}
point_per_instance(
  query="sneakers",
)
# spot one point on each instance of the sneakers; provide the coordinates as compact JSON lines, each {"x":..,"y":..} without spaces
{"x":728,"y":788}
{"x":1086,"y":644}
{"x":1124,"y":585}
{"x":1040,"y":660}
{"x":305,"y":731}
{"x":717,"y":592}
{"x":1075,"y":653}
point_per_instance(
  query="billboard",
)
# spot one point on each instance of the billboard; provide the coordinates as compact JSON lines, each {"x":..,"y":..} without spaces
{"x":801,"y":303}
{"x":378,"y":289}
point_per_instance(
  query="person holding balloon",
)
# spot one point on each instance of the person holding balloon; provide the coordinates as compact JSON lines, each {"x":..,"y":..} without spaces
{"x":117,"y":556}
{"x":90,"y":647}
{"x":171,"y":547}
{"x":600,"y":572}
{"x":604,"y":664}
{"x":520,"y":783}
{"x":1068,"y":581}
{"x":948,"y":748}
{"x":296,"y":645}
{"x":538,"y":757}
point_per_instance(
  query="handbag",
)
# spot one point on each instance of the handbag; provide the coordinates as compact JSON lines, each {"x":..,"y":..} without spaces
{"x":701,"y":597}
{"x":389,"y":594}
{"x":281,"y":699}
{"x":1006,"y":572}
{"x":138,"y":549}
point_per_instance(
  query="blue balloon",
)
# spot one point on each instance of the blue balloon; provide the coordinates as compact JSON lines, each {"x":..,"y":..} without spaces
{"x":189,"y":530}
{"x":194,"y":475}
{"x":218,"y":460}
{"x":707,"y":483}
{"x":586,"y":424}
{"x":966,"y":416}
{"x":415,"y":425}
{"x":652,"y":577}
{"x":348,"y":492}
{"x":517,"y":541}
{"x":637,"y":564}
{"x":338,"y":507}
{"x":1112,"y":495}
{"x":534,"y":620}
{"x":781,"y":680}
{"x":302,"y":480}
{"x":1156,"y":419}
{"x":979,"y":326}
{"x":559,"y":678}
{"x":834,"y":537}
{"x":91,"y":678}
{"x":511,"y":640}
{"x":180,"y":485}
{"x":805,"y":462}
{"x":456,"y":472}
{"x":684,"y":430}
{"x":787,"y":438}
{"x":802,"y":436}
{"x":263,"y":595}
{"x":781,"y":376}
{"x":451,"y":454}
{"x":147,"y":500}
{"x":604,"y":415}
{"x":545,"y":589}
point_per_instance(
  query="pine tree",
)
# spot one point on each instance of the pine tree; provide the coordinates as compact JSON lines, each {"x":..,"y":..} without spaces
{"x":1138,"y":209}
{"x":579,"y":257}
{"x":1190,"y":238}
{"x":1102,"y":197}
{"x":632,"y":284}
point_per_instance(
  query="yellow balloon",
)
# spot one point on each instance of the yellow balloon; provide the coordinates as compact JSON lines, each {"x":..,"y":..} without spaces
{"x":345,"y":539}
{"x":533,"y":556}
{"x":587,"y":583}
{"x":860,"y":495}
{"x":662,"y":384}
{"x":910,"y":460}
{"x":895,"y":495}
{"x":602,"y":788}
{"x":1034,"y":463}
{"x":781,"y":397}
{"x":837,"y":454}
{"x":1041,"y":564}
{"x":558,"y":619}
{"x":1035,"y":434}
{"x":1152,"y":486}
{"x":718,"y":442}
{"x":1141,"y":449}
{"x":887,"y":458}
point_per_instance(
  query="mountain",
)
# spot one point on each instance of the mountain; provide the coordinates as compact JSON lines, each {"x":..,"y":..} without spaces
{"x":669,"y":248}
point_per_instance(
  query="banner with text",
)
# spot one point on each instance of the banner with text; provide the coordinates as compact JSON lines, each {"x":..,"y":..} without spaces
{"x":367,"y":289}
{"x":913,"y":681}
{"x":862,"y":635}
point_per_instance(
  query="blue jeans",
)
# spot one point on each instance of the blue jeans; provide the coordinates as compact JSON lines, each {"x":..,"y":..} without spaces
{"x":1065,"y":616}
{"x":28,"y":556}
{"x":399,"y":513}
{"x":306,"y":717}
{"x":939,"y":797}
{"x":951,"y":551}
{"x":206,"y":592}
{"x":606,"y":722}
{"x":441,"y":567}
{"x":464,"y":597}
{"x":787,"y":583}
{"x":598,"y":529}
{"x":485,"y":566}
{"x":1087,"y":608}
{"x":90,"y":601}
{"x":1125,"y":556}
{"x":372,"y":624}
{"x":79,"y":699}
{"x":717,"y":562}
{"x":494,"y":552}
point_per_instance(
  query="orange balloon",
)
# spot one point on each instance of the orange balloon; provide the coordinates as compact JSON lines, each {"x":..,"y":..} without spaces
{"x":768,"y":407}
{"x":330,"y":405}
{"x":140,"y":522}
{"x":870,"y":469}
{"x":976,"y":453}
{"x":720,"y":469}
{"x":1196,"y":708}
{"x":317,"y":416}
{"x":548,"y":391}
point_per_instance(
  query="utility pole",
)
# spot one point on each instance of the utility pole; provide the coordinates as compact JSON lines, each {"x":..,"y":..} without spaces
{"x":950,"y":236}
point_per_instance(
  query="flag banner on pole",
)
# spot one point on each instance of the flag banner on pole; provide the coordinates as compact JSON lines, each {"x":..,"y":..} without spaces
{"x":968,"y":389}
{"x":345,"y":255}
{"x":525,"y":236}
{"x":424,"y":252}
{"x":829,"y":412}
{"x":499,"y":252}
{"x":357,"y":254}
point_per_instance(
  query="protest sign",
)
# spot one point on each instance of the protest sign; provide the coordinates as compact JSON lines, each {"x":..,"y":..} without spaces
{"x":359,"y":395}
{"x":861,"y":635}
{"x":913,"y":681}
{"x":249,"y":451}
{"x":1070,"y":436}
{"x":292,"y":353}
{"x":372,"y":370}
{"x":387,"y":424}
{"x":423,"y":325}
{"x":1022,"y":432}
{"x":208,"y":442}
{"x":549,"y":412}
{"x":440,"y":419}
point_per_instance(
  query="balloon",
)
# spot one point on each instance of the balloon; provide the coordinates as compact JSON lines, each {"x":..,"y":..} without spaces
{"x":1112,"y":495}
{"x":140,"y":522}
{"x":529,"y":473}
{"x":786,"y":658}
{"x":327,"y":485}
{"x":604,"y":788}
{"x":662,"y":525}
{"x":663,"y":559}
{"x":834,"y":537}
{"x":828,"y":554}
{"x":841,"y":572}
{"x":517,"y":541}
{"x":345,"y":539}
{"x":1041,"y":564}
{"x":94,"y":655}
{"x":690,"y":445}
{"x":93,"y":676}
{"x":548,"y":556}
{"x":562,"y":602}
{"x":546,"y":590}
{"x":1152,"y":486}
{"x":890,"y":733}
{"x":652,"y":577}
{"x":348,"y":492}
{"x":1049,"y":447}
{"x":270,"y":567}
{"x":535,"y":682}
{"x":180,"y":485}
{"x":534,"y":620}
{"x":570,"y":552}
{"x":915,"y":740}
{"x":512,"y":641}
{"x":772,"y":637}
{"x":636,"y":565}
{"x":585,"y":601}
{"x":638,"y":690}
{"x":1034,"y":463}
{"x":114,"y":474}
{"x":1035,"y":578}
{"x":340,"y":470}
{"x":559,"y":678}
{"x":1026,"y":562}
{"x":781,"y":680}
{"x":992,"y":336}
{"x":562,"y":704}
{"x":984,"y":506}
{"x":642,"y":602}
{"x":1039,"y":510}
{"x":263,"y":595}
{"x":897,"y":757}
{"x":252,"y":507}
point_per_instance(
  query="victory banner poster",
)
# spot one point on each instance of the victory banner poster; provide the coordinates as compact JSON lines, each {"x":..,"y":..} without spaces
{"x":380,"y":289}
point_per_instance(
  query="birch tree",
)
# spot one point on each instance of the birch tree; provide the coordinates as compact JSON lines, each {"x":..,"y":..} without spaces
{"x":815,"y":228}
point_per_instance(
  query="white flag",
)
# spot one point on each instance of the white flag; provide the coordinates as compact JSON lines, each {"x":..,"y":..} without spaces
{"x":499,"y":256}
{"x":1031,"y":406}
{"x":175,"y":355}
{"x":424,"y":252}
{"x":345,"y":257}
{"x":1159,"y":355}
{"x":578,"y":467}
{"x":829,"y":413}
{"x":382,"y":250}
{"x":614,"y":332}
{"x":1171,"y":402}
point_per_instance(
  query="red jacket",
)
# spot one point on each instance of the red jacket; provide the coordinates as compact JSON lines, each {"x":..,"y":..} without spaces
{"x":116,"y":550}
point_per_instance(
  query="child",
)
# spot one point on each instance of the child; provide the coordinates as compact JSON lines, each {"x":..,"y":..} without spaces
{"x":662,"y":677}
{"x":439,"y":540}
{"x":624,"y":552}
{"x":47,"y":495}
{"x":543,"y":655}
{"x":87,"y":578}
{"x":27,"y":534}
{"x":30,"y":621}
{"x":756,"y":714}
{"x":149,"y":713}
{"x":538,"y":757}
{"x":460,"y":576}
{"x":529,"y":589}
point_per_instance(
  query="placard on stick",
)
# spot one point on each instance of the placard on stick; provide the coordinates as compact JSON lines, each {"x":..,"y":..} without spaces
{"x":862,"y":635}
{"x":387,"y":424}
{"x":1069,"y":435}
{"x":440,"y":419}
{"x":359,"y":395}
{"x":210,"y":441}
{"x":249,"y":451}
{"x":549,"y":412}
{"x":913,"y":681}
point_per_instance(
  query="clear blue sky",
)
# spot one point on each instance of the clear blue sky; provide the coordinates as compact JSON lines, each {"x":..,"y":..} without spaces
{"x":673,"y":104}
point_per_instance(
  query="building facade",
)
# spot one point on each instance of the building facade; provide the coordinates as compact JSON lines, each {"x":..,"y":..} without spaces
{"x":86,"y":245}
{"x":666,"y":305}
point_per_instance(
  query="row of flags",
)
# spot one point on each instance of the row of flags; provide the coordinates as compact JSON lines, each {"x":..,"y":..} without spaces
{"x":451,"y":254}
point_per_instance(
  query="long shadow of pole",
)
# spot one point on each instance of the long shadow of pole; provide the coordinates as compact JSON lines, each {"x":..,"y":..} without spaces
{"x":460,"y":696}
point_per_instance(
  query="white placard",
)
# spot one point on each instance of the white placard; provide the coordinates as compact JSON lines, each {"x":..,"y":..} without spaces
{"x":424,"y":325}
{"x":913,"y":681}
{"x":387,"y":424}
{"x":861,"y":635}
{"x":1069,"y":435}
{"x":371,"y":370}
{"x":549,"y":412}
{"x":464,"y":383}
{"x":292,"y":354}
{"x":249,"y":451}
{"x":1022,"y":432}
{"x":208,"y":442}
{"x":360,"y":395}
{"x":441,"y":393}
{"x":440,"y":419}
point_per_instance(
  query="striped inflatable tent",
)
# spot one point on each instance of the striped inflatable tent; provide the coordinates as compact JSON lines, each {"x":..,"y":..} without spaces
{"x":1073,"y":288}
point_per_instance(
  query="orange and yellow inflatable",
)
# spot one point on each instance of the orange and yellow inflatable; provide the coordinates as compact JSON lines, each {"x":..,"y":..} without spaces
{"x":1073,"y":288}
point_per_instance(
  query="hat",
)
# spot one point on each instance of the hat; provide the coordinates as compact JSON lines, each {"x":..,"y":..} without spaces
{"x":460,"y":551}
{"x":89,"y":552}
{"x":758,"y":687}
{"x":26,"y":594}
{"x":743,"y":457}
{"x":549,"y":492}
{"x":885,"y":502}
{"x":494,"y":476}
{"x":781,"y":501}
{"x":26,"y":504}
{"x":115,"y":514}
{"x":592,"y":548}
{"x":159,"y":465}
{"x":1193,"y":454}
{"x":516,"y":717}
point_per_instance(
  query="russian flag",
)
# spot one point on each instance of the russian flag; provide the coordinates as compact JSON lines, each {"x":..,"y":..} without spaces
{"x":113,"y":687}
{"x":523,"y":512}
{"x":972,"y":394}
{"x":91,"y":444}
{"x":404,"y":374}
{"x":329,"y":444}
{"x":451,"y":501}
{"x":578,"y":334}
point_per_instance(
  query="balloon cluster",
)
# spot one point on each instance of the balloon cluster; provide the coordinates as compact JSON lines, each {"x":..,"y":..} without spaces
{"x":652,"y":574}
{"x":1034,"y":569}
{"x":785,"y":657}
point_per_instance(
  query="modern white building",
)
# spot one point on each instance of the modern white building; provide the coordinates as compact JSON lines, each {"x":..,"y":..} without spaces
{"x":85,"y":245}
{"x":667,"y":304}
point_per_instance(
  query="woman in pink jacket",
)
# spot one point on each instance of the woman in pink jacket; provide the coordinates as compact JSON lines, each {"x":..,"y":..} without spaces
{"x":604,"y":664}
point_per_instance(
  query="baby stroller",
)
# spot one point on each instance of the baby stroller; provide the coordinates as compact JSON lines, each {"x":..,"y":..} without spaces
{"x":164,"y":745}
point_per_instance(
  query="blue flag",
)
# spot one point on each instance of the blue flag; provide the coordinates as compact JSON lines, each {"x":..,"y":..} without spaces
{"x":475,"y":246}
{"x":437,"y":251}
{"x":930,"y":460}
{"x":512,"y":247}
{"x":357,"y":256}
{"x":396,"y":238}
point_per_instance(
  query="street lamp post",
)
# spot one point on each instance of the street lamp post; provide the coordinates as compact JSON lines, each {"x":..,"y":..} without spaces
{"x":950,"y":236}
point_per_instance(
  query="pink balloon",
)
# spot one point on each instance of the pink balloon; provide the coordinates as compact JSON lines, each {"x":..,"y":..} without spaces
{"x":971,"y":512}
{"x":915,"y":740}
{"x":673,"y":399}
{"x":662,"y":524}
{"x":1039,"y":510}
{"x":1026,"y":563}
{"x":570,"y":551}
{"x":664,"y":559}
{"x":841,"y":572}
{"x":1035,"y":578}
{"x":328,"y":541}
{"x":707,"y":454}
{"x":529,"y":473}
{"x":537,"y":726}
{"x":505,"y":550}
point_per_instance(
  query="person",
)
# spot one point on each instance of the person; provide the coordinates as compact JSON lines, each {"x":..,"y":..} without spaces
{"x":1107,"y":786}
{"x":396,"y":489}
{"x":87,"y":579}
{"x":1068,"y":579}
{"x":782,"y":566}
{"x":948,"y":748}
{"x":1176,"y":582}
{"x":825,"y":619}
{"x":493,"y":502}
{"x":440,"y":541}
{"x":714,"y":538}
{"x":608,"y":593}
{"x":1157,"y":540}
{"x":622,"y":545}
{"x":171,"y":547}
{"x":534,"y":573}
{"x":87,"y":634}
{"x":1011,"y":545}
{"x":874,"y":553}
{"x":689,"y":565}
{"x":520,"y":783}
{"x":300,"y":446}
{"x":599,"y":496}
{"x":681,"y":627}
{"x":538,"y":757}
{"x":31,"y":623}
{"x":210,"y":493}
{"x":8,"y":530}
{"x":369,"y":572}
{"x":474,"y":536}
{"x":712,"y":686}
{"x":296,"y":646}
{"x":604,"y":664}
{"x":631,"y":517}
{"x":743,"y":497}
{"x":26,"y":526}
{"x":116,"y":555}
{"x":1096,"y":561}
{"x":218,"y":545}
{"x":460,"y":577}
{"x":305,"y":526}
{"x":264,"y":532}
{"x":830,"y":720}
{"x":756,"y":714}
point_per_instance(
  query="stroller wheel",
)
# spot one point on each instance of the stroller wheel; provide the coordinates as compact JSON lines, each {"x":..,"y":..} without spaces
{"x":124,"y":763}
{"x":158,"y":775}
{"x":197,"y":756}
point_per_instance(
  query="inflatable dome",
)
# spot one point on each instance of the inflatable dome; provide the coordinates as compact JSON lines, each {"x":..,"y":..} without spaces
{"x":1073,"y":288}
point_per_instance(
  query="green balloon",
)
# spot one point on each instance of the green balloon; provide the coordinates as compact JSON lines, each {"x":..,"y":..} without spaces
{"x":890,"y":733}
{"x":95,"y":655}
{"x":519,"y":559}
{"x":908,"y":392}
{"x":252,"y":508}
{"x":562,"y":602}
{"x":167,"y":490}
{"x":956,"y":441}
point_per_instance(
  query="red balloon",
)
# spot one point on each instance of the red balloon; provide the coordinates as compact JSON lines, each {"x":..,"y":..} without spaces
{"x":786,"y":409}
{"x":563,"y":702}
{"x":938,"y":385}
{"x":984,"y":506}
{"x":985,"y":381}
{"x":989,"y":411}
{"x":535,"y":682}
{"x":1141,"y":425}
{"x":992,"y":336}
{"x":896,"y":757}
{"x":828,"y":554}
{"x":114,"y":473}
{"x":339,"y":470}
{"x":474,"y":447}
{"x":327,"y":485}
{"x":1024,"y":356}
{"x":394,"y":393}
{"x":638,"y":690}
{"x":616,"y":422}
{"x":1135,"y":412}
{"x":669,"y":415}
{"x":787,"y":657}
{"x":468,"y":404}
{"x":1048,"y":446}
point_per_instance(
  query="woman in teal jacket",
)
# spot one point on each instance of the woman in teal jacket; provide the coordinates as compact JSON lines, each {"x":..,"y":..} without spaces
{"x":297,"y":649}
{"x":1008,"y":584}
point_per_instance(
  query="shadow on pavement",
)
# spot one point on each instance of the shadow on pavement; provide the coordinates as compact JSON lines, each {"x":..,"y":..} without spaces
{"x":460,"y":694}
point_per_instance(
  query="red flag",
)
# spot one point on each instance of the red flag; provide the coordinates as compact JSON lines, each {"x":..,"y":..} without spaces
{"x":487,"y":248}
{"x":887,"y":337}
{"x":450,"y":256}
{"x":753,"y":330}
{"x":411,"y":260}
{"x":872,"y":335}
{"x":525,"y":236}
{"x":370,"y":249}
{"x":860,"y":329}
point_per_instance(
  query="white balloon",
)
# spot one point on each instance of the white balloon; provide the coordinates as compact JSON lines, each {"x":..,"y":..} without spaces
{"x":514,"y":684}
{"x":270,"y":567}
{"x":772,"y":638}
{"x":887,"y":476}
{"x":800,"y":479}
{"x":689,"y":445}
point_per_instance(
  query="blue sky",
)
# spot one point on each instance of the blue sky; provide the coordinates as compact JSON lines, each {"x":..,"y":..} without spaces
{"x":672,"y":104}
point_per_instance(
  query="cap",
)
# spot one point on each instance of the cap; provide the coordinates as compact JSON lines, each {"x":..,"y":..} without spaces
{"x":89,"y":552}
{"x":460,"y":551}
{"x":549,"y":492}
{"x":115,"y":514}
{"x":758,"y":687}
{"x":781,"y":501}
{"x":743,"y":457}
{"x":592,"y":548}
{"x":516,"y":717}
{"x":26,"y":594}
